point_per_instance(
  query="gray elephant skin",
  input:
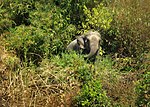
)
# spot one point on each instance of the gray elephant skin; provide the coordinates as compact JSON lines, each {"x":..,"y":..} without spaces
{"x":88,"y":43}
{"x":76,"y":44}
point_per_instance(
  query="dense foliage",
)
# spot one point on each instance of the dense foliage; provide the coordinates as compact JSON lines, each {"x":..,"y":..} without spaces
{"x":36,"y":70}
{"x":92,"y":95}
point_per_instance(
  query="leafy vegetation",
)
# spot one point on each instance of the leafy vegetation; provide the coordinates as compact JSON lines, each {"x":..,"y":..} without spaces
{"x":36,"y":70}
{"x":92,"y":95}
{"x":143,"y":84}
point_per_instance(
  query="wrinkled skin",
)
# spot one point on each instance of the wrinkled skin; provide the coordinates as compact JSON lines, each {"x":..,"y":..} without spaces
{"x":89,"y":43}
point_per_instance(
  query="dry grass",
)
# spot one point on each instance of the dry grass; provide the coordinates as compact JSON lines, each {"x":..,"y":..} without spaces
{"x":121,"y":91}
{"x":131,"y":20}
{"x":28,"y":88}
{"x":46,"y":86}
{"x":120,"y":87}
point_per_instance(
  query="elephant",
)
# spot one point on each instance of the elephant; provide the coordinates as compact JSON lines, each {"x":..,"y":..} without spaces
{"x":76,"y":44}
{"x":89,"y":43}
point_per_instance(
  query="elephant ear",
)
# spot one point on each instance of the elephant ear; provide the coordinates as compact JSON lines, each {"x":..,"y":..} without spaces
{"x":80,"y":41}
{"x":72,"y":45}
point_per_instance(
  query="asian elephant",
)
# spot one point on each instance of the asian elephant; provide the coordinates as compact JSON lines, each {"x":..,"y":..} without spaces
{"x":89,"y":43}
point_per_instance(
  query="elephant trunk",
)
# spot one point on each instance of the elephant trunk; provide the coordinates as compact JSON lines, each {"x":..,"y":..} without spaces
{"x":93,"y":51}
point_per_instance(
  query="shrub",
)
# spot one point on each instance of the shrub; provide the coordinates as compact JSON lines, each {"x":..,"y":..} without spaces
{"x":47,"y":34}
{"x":28,"y":42}
{"x":73,"y":10}
{"x":99,"y":17}
{"x":130,"y":27}
{"x":68,"y":60}
{"x":5,"y":21}
{"x":143,"y":85}
{"x":143,"y":91}
{"x":50,"y":19}
{"x":92,"y":95}
{"x":82,"y":69}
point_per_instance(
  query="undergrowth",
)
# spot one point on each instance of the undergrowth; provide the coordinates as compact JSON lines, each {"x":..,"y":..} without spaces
{"x":36,"y":70}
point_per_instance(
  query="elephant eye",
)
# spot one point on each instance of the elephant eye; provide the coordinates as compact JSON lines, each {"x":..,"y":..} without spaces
{"x":86,"y":41}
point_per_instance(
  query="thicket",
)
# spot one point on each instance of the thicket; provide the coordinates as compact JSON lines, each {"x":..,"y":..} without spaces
{"x":38,"y":31}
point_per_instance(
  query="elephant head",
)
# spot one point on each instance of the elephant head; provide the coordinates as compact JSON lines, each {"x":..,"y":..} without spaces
{"x":92,"y":43}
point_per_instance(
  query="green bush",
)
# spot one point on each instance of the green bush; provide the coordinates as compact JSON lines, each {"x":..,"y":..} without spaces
{"x":5,"y":21}
{"x":28,"y":42}
{"x":34,"y":43}
{"x":68,"y":60}
{"x":92,"y":95}
{"x":73,"y":10}
{"x":48,"y":33}
{"x":143,"y":84}
{"x":19,"y":11}
{"x":143,"y":91}
{"x":78,"y":64}
{"x":50,"y":19}
{"x":99,"y":17}
{"x":86,"y":14}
